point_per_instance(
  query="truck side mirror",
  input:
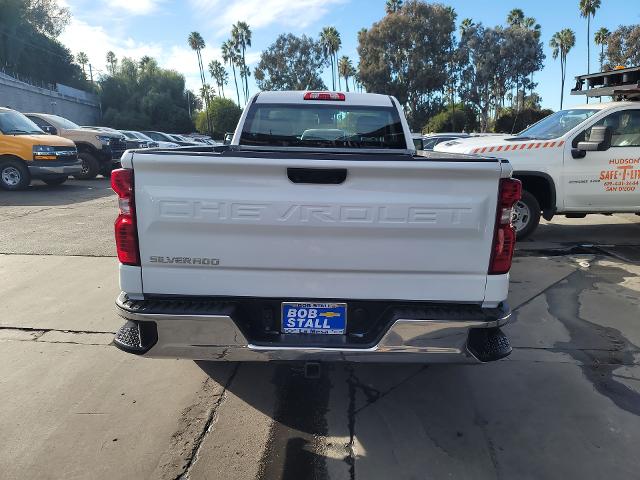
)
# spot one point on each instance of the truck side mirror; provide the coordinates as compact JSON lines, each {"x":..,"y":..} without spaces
{"x":50,"y":130}
{"x":599,"y":140}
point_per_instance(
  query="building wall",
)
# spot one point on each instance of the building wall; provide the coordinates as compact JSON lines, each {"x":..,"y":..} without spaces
{"x":78,"y":106}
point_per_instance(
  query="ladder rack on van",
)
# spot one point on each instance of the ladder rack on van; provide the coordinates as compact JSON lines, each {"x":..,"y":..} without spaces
{"x":621,"y":84}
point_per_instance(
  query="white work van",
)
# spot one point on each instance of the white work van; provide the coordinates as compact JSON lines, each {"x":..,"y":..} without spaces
{"x":578,"y":161}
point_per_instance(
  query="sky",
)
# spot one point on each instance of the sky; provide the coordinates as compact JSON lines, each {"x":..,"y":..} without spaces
{"x":159,"y":28}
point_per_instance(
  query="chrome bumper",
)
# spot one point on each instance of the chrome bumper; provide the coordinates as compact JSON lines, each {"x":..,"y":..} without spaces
{"x":216,"y":337}
{"x":43,"y":170}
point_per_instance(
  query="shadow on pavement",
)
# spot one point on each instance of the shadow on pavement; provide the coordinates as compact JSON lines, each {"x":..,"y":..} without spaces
{"x":72,"y":191}
{"x":558,"y":408}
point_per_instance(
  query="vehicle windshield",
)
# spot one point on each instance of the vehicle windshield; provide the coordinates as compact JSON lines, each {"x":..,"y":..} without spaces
{"x":64,"y":123}
{"x":555,"y":125}
{"x":324,"y":126}
{"x":140,"y":136}
{"x":15,"y":123}
{"x":159,"y":136}
{"x":129,"y":135}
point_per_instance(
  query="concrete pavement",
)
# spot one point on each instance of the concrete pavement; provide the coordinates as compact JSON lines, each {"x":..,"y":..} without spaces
{"x":565,"y":404}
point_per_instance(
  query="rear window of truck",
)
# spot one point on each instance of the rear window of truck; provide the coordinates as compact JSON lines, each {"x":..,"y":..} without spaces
{"x":328,"y":126}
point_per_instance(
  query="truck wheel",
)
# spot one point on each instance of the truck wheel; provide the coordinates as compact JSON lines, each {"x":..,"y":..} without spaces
{"x":106,"y":170}
{"x":90,"y":166}
{"x":53,"y":181}
{"x":526,"y":215}
{"x":13,"y":175}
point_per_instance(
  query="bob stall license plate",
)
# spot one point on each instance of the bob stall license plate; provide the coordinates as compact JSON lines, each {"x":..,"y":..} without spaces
{"x":314,"y":318}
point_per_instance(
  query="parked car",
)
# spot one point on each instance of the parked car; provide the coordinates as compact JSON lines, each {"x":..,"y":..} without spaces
{"x":133,"y":135}
{"x":98,"y":151}
{"x":430,"y":140}
{"x":129,"y":142}
{"x":27,"y":153}
{"x":291,"y":245}
{"x":577,"y":161}
{"x":183,"y":139}
{"x":165,"y":137}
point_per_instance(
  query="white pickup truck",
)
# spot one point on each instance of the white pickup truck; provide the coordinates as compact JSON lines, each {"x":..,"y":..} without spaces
{"x":582,"y":160}
{"x":318,"y":234}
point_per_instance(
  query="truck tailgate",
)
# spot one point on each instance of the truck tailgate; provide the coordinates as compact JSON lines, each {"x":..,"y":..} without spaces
{"x":238,"y":225}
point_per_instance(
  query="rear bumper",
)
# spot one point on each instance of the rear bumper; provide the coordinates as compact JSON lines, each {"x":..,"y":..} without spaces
{"x":52,"y":168}
{"x":168,"y":329}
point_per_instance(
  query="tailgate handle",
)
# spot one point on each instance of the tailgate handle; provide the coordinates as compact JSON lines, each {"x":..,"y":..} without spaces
{"x":322,"y":176}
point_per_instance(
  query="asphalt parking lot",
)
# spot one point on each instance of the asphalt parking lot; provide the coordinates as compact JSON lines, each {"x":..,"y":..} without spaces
{"x":565,"y":404}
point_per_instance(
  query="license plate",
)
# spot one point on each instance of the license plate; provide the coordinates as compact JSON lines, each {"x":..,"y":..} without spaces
{"x":315,"y":318}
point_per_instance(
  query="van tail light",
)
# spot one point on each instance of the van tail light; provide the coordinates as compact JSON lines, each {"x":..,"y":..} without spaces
{"x":504,"y":238}
{"x":125,"y":226}
{"x":334,"y":96}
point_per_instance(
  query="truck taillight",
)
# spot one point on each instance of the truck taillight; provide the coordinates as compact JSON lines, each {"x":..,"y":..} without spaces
{"x":504,"y":239}
{"x":334,"y":96}
{"x":125,"y":226}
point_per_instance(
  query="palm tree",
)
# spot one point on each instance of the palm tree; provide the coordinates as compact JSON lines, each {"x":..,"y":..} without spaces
{"x":82,"y":59}
{"x":466,"y":25}
{"x":561,"y":43}
{"x":112,"y":61}
{"x":241,"y":35}
{"x":345,"y":69}
{"x":587,"y":10}
{"x":196,"y":42}
{"x":229,"y":55}
{"x":515,"y":17}
{"x":601,"y":38}
{"x":219,"y":74}
{"x":331,"y":43}
{"x":393,"y":6}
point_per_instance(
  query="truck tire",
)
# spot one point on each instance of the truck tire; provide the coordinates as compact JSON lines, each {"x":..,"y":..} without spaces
{"x":14,"y":175}
{"x":526,"y":215}
{"x":90,"y":166}
{"x":53,"y":181}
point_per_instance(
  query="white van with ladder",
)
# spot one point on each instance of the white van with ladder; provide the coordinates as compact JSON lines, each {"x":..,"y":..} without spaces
{"x":577,"y":161}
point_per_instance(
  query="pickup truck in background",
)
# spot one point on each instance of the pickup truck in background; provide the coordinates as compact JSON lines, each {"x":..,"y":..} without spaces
{"x":98,"y":151}
{"x":318,"y":234}
{"x":578,"y":161}
{"x":27,"y":153}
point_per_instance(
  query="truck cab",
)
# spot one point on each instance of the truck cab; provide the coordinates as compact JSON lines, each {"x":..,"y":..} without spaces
{"x":27,"y":153}
{"x":564,"y":168}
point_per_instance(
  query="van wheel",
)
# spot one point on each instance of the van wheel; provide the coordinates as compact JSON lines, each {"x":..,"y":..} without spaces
{"x":526,"y":215}
{"x":53,"y":181}
{"x":90,"y":166}
{"x":13,"y":175}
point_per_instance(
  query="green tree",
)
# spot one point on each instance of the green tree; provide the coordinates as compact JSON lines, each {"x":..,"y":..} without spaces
{"x":291,"y":63}
{"x":345,"y":69}
{"x":330,"y":43}
{"x":83,"y":60}
{"x":601,"y":37}
{"x":241,"y":35}
{"x":623,"y":46}
{"x":561,"y":43}
{"x":196,"y":42}
{"x":408,"y":56}
{"x":588,"y":10}
{"x":112,"y":61}
{"x":219,"y":75}
{"x":29,"y":46}
{"x":511,"y":120}
{"x":461,"y":118}
{"x":145,"y":97}
{"x":224,"y":114}
{"x":230,"y":56}
{"x":392,"y":6}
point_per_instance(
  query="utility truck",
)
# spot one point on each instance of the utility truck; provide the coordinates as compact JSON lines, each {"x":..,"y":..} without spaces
{"x":318,"y":234}
{"x":577,"y":161}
